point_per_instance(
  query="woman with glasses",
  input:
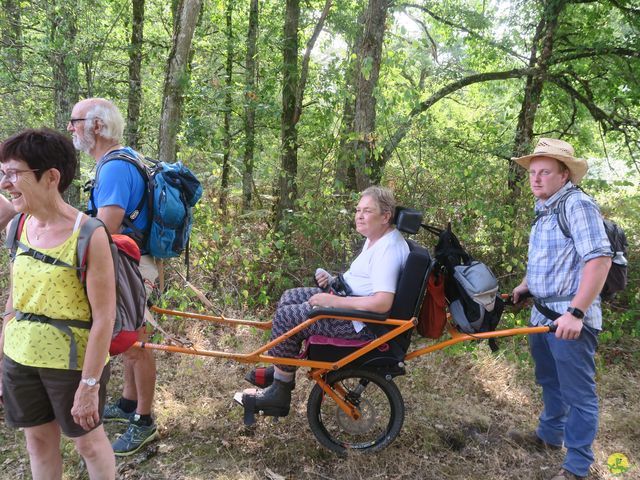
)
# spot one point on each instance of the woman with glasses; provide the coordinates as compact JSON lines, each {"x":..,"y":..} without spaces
{"x":48,"y":388}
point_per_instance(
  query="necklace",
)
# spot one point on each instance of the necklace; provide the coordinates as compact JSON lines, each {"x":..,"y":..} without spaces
{"x":38,"y":231}
{"x":38,"y":235}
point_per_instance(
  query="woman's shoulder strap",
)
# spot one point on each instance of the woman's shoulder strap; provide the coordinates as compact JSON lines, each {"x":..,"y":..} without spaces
{"x":13,"y":233}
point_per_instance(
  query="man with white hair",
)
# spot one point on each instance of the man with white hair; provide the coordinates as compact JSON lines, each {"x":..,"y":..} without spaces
{"x":565,"y":276}
{"x":97,"y":125}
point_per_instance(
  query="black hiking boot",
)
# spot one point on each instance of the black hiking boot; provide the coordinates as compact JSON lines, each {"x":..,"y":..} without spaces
{"x":273,"y":401}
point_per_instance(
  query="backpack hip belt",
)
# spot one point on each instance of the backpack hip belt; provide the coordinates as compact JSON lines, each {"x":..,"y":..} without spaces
{"x":540,"y":304}
{"x":64,"y":326}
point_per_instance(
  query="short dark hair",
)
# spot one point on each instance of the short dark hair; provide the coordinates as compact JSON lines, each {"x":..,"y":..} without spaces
{"x":42,"y":149}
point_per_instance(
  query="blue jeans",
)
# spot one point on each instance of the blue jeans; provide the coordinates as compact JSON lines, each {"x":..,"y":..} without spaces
{"x":565,"y":369}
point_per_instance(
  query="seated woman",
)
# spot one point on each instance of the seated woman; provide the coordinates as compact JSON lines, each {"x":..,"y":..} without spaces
{"x":372,"y":278}
{"x":51,"y":383}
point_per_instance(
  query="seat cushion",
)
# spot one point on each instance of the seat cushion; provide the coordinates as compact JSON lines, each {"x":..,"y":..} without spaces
{"x":332,"y":349}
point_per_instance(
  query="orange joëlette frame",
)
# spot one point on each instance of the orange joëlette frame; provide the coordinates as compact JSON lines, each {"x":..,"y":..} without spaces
{"x":320,"y":368}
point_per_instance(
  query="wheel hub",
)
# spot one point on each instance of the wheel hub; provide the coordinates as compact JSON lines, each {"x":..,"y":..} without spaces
{"x":368,"y":417}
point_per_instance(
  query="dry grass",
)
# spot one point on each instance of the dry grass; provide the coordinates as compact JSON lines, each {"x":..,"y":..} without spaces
{"x":459,"y":406}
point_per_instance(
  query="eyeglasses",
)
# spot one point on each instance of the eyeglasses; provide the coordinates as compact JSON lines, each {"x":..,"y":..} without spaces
{"x":11,"y":175}
{"x":73,"y":121}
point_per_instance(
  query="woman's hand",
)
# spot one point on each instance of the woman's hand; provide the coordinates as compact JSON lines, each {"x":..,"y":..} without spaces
{"x":323,"y":300}
{"x":323,"y":278}
{"x":85,"y":406}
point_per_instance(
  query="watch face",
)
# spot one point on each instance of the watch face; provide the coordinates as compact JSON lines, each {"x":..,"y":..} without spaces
{"x":90,"y":381}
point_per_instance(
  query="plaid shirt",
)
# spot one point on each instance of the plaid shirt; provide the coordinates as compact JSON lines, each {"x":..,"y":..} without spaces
{"x":555,"y":263}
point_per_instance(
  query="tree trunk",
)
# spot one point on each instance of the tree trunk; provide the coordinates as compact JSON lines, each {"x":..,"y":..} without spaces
{"x":543,"y":41}
{"x":369,"y":54}
{"x":287,"y":190}
{"x":293,"y":86}
{"x":250,"y":106}
{"x":345,"y":178}
{"x":177,"y":75}
{"x":11,"y":60}
{"x":12,"y":34}
{"x":64,"y":69}
{"x":228,"y":100}
{"x":135,"y":82}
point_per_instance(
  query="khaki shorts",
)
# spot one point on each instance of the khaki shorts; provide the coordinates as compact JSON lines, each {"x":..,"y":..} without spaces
{"x":35,"y":396}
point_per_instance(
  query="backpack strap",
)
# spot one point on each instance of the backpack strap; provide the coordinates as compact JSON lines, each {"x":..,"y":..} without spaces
{"x":84,"y":237}
{"x":64,"y":326}
{"x":561,"y":211}
{"x":539,"y":303}
{"x":13,"y":243}
{"x":14,"y":232}
{"x":138,"y":235}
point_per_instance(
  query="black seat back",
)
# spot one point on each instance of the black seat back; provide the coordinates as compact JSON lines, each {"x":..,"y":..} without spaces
{"x":412,"y":283}
{"x":408,"y":298}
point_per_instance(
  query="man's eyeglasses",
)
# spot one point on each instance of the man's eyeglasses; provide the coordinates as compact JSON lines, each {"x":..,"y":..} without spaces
{"x":12,"y":174}
{"x":73,"y":121}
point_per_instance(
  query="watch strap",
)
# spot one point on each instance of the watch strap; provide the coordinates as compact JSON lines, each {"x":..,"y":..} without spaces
{"x":576,"y":312}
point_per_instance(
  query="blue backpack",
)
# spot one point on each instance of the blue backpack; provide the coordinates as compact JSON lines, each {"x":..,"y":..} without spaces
{"x":172,"y":191}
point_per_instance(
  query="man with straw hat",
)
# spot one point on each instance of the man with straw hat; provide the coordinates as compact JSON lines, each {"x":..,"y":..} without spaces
{"x":564,"y":275}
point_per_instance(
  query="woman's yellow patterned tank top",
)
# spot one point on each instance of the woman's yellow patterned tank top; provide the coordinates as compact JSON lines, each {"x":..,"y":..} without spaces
{"x":50,"y":290}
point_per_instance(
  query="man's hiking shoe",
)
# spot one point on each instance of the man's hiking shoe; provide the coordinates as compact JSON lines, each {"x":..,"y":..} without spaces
{"x":273,"y":401}
{"x":262,"y":377}
{"x":136,"y":437}
{"x":113,"y":413}
{"x":565,"y":475}
{"x":530,"y":439}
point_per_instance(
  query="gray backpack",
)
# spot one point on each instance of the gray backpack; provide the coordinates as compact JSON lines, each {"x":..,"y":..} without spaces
{"x":477,"y":283}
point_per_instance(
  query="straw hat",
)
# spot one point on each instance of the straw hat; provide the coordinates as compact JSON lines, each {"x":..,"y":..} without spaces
{"x":561,"y":151}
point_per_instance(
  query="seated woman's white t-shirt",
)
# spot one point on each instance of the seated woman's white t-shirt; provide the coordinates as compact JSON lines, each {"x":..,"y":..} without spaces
{"x":378,"y":268}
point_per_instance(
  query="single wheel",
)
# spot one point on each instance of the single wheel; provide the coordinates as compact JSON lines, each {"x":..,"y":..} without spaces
{"x":380,"y":404}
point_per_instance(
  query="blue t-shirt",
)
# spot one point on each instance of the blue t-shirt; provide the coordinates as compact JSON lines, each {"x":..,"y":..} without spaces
{"x":121,"y":184}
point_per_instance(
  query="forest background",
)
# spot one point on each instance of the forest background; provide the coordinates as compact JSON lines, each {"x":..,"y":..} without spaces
{"x":287,"y":109}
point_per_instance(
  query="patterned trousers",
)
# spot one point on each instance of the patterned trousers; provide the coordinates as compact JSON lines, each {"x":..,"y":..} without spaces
{"x":293,"y":309}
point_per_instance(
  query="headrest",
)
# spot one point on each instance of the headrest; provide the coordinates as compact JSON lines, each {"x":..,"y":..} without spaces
{"x":407,"y":220}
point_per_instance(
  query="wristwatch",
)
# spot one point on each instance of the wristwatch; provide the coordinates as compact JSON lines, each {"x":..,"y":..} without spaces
{"x":89,"y":381}
{"x":576,"y":312}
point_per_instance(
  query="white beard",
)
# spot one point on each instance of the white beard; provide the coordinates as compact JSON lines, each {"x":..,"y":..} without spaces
{"x":85,"y":143}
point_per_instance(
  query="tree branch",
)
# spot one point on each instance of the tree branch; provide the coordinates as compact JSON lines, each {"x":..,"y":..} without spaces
{"x":608,"y":121}
{"x":471,"y":33}
{"x":304,"y":71}
{"x":595,"y":52}
{"x":404,"y":127}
